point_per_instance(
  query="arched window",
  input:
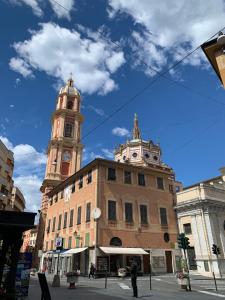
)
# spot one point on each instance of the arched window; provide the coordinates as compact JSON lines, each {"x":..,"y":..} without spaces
{"x":69,"y":104}
{"x":166,"y":237}
{"x":68,"y":130}
{"x":115,"y":241}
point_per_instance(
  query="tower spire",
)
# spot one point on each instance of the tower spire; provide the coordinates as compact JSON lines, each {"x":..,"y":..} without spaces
{"x":136,"y":130}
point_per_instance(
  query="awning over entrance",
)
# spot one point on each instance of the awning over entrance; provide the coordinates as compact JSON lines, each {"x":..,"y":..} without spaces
{"x":120,"y":250}
{"x":74,"y":251}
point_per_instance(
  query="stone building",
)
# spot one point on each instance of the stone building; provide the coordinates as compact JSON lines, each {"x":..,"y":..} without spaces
{"x":29,"y":239}
{"x":133,"y":197}
{"x":200,"y":211}
{"x":6,"y":172}
{"x":18,"y":202}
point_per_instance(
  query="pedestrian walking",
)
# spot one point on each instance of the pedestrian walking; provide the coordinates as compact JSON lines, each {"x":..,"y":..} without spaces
{"x":92,"y":271}
{"x":133,"y":271}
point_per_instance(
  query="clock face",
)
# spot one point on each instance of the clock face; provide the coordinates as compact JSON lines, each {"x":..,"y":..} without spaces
{"x":66,"y":156}
{"x":134,"y":154}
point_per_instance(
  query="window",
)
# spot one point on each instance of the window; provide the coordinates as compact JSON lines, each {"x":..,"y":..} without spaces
{"x":87,"y":239}
{"x":177,"y":189}
{"x":62,"y":193}
{"x":79,"y":215}
{"x":52,"y":243}
{"x":111,"y":174}
{"x":70,"y":242}
{"x":166,"y":237}
{"x":115,"y":241}
{"x":163,"y":216}
{"x":46,"y":246}
{"x":187,"y":228}
{"x":112,"y":210}
{"x":160,"y":184}
{"x":68,"y":130}
{"x":89,"y":177}
{"x":141,"y":179}
{"x":56,"y":198}
{"x":88,"y":212}
{"x":65,"y":220}
{"x":80,"y":182}
{"x":128,"y":212}
{"x":49,"y":225}
{"x":144,"y":214}
{"x":71,"y":217}
{"x":171,"y":188}
{"x":127,"y":177}
{"x":53,"y":224}
{"x":60,"y":222}
{"x":69,"y":104}
{"x":73,"y":187}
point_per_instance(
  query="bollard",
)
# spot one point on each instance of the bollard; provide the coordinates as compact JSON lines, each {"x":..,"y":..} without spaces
{"x":214,"y":280}
{"x":106,"y":280}
{"x":150,"y":277}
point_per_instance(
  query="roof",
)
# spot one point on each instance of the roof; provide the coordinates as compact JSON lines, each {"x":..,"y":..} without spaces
{"x":209,"y":48}
{"x":203,"y":181}
{"x":112,"y":163}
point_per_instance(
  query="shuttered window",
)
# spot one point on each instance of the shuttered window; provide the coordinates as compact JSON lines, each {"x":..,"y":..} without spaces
{"x":65,"y":220}
{"x":144,"y":214}
{"x":71,"y":217}
{"x":163,"y":216}
{"x":112,"y":210}
{"x":53,"y":224}
{"x":128,"y":212}
{"x":79,"y":215}
{"x":60,"y":222}
{"x":141,"y":179}
{"x":88,"y":212}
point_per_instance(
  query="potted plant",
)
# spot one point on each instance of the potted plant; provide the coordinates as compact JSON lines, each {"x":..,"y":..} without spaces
{"x":122,"y":272}
{"x":72,"y":278}
{"x":182,"y":279}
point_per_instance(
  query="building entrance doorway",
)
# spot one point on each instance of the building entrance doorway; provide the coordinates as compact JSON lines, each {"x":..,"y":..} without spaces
{"x":191,"y":258}
{"x":169,"y":266}
{"x":116,"y":262}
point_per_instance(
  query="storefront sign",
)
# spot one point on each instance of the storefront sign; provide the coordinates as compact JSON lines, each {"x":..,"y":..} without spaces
{"x":23,"y":274}
{"x":102,"y":263}
{"x":58,"y":242}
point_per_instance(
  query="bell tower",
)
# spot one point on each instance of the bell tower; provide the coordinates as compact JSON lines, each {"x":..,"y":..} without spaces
{"x":64,"y":151}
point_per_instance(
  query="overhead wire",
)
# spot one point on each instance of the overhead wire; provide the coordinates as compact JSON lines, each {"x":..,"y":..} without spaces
{"x":160,"y":74}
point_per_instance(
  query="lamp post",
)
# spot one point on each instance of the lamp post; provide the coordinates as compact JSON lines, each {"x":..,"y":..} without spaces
{"x":56,"y":278}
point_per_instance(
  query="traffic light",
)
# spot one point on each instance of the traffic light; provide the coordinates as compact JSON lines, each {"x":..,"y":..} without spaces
{"x":180,"y":240}
{"x":215,"y":249}
{"x":187,"y":243}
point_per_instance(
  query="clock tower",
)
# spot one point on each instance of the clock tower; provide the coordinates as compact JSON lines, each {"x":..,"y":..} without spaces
{"x":64,"y":152}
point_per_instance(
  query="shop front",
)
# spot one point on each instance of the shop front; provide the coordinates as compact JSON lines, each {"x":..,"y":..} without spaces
{"x":118,"y":258}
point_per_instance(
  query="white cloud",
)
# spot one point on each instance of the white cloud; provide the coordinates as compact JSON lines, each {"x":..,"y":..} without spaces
{"x":34,"y":4}
{"x":28,"y":171}
{"x":19,"y":65}
{"x":30,"y":185}
{"x":169,"y":29}
{"x":89,"y":155}
{"x":62,"y":9}
{"x":108,"y":153}
{"x":98,"y":111}
{"x":120,"y":131}
{"x":59,"y":51}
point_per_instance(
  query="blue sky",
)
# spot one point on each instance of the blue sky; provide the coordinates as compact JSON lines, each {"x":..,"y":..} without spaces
{"x":42,"y":43}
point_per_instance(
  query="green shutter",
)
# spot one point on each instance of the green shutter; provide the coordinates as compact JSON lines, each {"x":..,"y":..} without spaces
{"x":77,"y":242}
{"x":87,"y":239}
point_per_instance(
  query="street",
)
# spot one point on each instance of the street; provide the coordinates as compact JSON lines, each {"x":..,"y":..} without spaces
{"x":163,"y":287}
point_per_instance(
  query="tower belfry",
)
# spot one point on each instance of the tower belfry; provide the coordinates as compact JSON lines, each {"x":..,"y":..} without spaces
{"x":64,"y":151}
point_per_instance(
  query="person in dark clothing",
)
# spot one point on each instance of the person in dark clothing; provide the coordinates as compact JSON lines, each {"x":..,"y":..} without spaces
{"x":92,"y":271}
{"x":133,"y":272}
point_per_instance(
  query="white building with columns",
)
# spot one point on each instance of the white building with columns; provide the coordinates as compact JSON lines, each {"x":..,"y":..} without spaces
{"x":200,"y":211}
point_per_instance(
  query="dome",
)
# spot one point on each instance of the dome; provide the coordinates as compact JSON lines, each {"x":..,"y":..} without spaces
{"x":69,"y":89}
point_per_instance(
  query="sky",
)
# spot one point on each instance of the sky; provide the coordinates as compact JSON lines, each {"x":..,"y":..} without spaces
{"x":115,"y":50}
